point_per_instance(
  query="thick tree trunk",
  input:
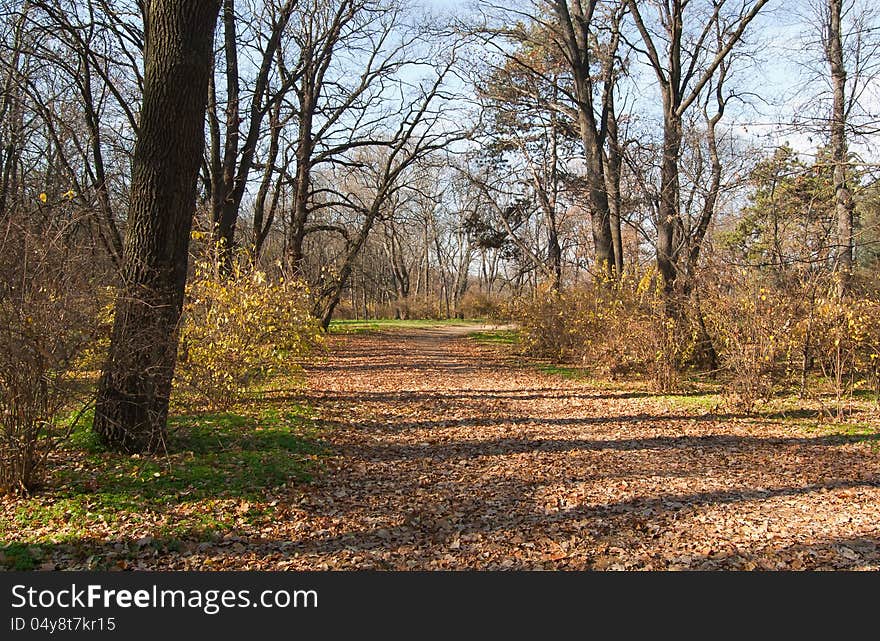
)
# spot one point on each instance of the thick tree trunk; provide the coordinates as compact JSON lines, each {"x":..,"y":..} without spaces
{"x":302,"y":189}
{"x":669,"y":217}
{"x":613,"y":174}
{"x":575,"y":31}
{"x":842,"y":191}
{"x":600,"y":213}
{"x":135,"y":386}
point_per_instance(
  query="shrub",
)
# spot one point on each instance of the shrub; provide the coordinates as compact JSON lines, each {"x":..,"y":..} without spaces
{"x":238,"y":329}
{"x":47,"y":319}
{"x":845,"y":337}
{"x":757,"y":329}
{"x":478,"y":304}
{"x":619,"y":328}
{"x":751,"y":326}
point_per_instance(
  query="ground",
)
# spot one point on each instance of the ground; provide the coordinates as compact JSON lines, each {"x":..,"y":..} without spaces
{"x":427,"y":449}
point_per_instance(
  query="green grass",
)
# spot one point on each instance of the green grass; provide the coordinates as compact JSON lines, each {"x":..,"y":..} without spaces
{"x":220,"y":473}
{"x":496,"y":337}
{"x":383,"y":324}
{"x":856,"y":432}
{"x":19,"y":556}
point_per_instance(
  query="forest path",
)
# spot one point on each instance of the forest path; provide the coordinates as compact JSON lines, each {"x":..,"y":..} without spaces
{"x":448,"y":454}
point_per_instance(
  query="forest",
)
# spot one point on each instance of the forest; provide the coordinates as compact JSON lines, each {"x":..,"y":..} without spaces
{"x":439,"y":284}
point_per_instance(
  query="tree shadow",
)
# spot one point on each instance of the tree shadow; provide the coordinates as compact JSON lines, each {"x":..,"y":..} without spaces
{"x":435,"y":528}
{"x":460,"y":450}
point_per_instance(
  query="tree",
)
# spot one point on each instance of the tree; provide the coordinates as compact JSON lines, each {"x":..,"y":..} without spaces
{"x":684,"y":66}
{"x":230,"y":162}
{"x":788,"y":225}
{"x":525,"y":134}
{"x":578,"y":41}
{"x":73,"y":68}
{"x":842,"y":48}
{"x":842,"y":190}
{"x":133,"y":393}
{"x":342,"y":108}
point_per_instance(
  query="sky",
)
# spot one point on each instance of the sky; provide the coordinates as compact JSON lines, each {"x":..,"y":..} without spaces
{"x":778,"y":83}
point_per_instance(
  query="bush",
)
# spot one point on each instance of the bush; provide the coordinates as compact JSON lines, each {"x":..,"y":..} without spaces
{"x":845,"y":337}
{"x":477,"y":304}
{"x":752,"y":327}
{"x":755,"y":329}
{"x":238,"y":329}
{"x":618,"y":328}
{"x":48,"y":317}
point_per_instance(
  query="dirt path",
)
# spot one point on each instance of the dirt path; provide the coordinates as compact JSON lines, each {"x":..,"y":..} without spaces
{"x":450,"y":456}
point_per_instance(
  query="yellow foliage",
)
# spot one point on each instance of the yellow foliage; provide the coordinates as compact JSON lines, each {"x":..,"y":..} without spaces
{"x":620,"y":326}
{"x":238,"y":329}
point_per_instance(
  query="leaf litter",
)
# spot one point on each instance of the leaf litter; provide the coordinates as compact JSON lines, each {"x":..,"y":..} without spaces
{"x":447,"y":454}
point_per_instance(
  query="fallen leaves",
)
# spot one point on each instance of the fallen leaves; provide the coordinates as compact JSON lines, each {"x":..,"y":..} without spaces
{"x":451,"y":455}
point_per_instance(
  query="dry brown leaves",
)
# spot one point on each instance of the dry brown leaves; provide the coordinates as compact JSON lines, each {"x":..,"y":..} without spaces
{"x":450,"y":455}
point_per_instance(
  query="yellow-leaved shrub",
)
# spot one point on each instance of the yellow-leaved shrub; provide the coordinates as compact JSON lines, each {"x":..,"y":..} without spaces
{"x":844,"y":335}
{"x":752,"y":328}
{"x":238,"y":329}
{"x":618,"y":327}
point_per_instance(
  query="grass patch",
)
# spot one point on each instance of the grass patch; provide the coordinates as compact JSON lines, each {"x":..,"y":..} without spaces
{"x":702,"y":402}
{"x":496,"y":337}
{"x":855,"y":432}
{"x":221,"y":473}
{"x":19,"y":557}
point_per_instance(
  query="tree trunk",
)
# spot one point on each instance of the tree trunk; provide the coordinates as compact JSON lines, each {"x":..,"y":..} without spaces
{"x":613,"y":174}
{"x":667,"y":251}
{"x":554,"y":252}
{"x":842,"y":191}
{"x":262,"y":219}
{"x":133,"y":393}
{"x":301,"y":191}
{"x":600,"y":214}
{"x":575,"y":33}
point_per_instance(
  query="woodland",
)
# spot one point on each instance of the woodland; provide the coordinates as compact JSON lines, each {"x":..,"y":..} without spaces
{"x":439,"y":284}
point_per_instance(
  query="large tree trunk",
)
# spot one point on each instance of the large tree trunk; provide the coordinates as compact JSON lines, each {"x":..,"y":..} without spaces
{"x":302,"y":189}
{"x":613,"y":173}
{"x":600,"y":214}
{"x":842,"y":191}
{"x":135,"y":386}
{"x":575,"y":32}
{"x":669,"y":216}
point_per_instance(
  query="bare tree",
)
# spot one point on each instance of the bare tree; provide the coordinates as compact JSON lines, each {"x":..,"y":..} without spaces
{"x":231,"y":160}
{"x":843,"y":196}
{"x":684,"y":63}
{"x":425,"y":128}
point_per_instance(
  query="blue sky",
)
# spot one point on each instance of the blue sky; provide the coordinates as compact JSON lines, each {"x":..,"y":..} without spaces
{"x":779,"y":84}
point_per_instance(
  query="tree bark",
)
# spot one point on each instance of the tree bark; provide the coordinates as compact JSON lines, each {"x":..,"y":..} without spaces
{"x":613,"y":173}
{"x":576,"y":25}
{"x":681,"y":84}
{"x":669,"y":215}
{"x":133,"y":393}
{"x":842,"y":192}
